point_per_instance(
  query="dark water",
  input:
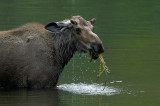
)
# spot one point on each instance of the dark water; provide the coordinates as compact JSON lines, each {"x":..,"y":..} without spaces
{"x":130,"y":31}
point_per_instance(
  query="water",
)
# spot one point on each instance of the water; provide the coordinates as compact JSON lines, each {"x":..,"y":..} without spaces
{"x":88,"y":89}
{"x":131,"y":37}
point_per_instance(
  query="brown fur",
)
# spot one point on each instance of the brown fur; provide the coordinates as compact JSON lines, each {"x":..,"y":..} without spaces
{"x":33,"y":55}
{"x":22,"y":51}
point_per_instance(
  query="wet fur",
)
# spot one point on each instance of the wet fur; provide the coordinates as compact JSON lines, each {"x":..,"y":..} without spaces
{"x":32,"y":57}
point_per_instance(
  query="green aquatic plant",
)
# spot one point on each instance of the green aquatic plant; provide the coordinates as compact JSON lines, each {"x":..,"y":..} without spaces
{"x":105,"y":68}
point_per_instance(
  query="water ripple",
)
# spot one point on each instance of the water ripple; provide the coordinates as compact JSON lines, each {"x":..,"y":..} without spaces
{"x":88,"y":89}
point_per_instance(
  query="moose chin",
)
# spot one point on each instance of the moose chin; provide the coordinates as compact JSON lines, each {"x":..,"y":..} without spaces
{"x":34,"y":55}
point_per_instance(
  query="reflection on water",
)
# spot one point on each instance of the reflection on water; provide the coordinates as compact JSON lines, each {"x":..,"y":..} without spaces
{"x":88,"y":89}
{"x":28,"y":97}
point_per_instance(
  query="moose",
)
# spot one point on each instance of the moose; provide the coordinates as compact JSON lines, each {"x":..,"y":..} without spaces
{"x":34,"y":55}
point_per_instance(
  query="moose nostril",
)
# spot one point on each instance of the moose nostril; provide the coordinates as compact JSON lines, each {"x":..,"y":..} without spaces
{"x":97,"y":48}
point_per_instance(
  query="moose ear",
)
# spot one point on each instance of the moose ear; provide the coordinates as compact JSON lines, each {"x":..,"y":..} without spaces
{"x":92,"y":21}
{"x":53,"y":27}
{"x":73,"y":22}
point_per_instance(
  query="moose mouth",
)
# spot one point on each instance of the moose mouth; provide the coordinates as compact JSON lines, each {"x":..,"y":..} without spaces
{"x":95,"y":50}
{"x":93,"y":54}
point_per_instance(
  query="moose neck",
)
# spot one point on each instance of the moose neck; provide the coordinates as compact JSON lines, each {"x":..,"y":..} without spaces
{"x":65,"y":44}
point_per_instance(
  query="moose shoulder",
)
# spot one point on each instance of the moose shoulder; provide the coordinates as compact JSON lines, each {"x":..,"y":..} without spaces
{"x":34,"y":55}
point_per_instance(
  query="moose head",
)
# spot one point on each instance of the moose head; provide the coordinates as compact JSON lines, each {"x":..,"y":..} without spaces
{"x":87,"y":40}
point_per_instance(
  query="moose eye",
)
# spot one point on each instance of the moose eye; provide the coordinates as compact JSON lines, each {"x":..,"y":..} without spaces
{"x":78,"y":30}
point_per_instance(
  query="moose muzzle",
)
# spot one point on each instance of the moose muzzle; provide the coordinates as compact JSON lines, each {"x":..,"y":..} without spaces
{"x":96,"y":49}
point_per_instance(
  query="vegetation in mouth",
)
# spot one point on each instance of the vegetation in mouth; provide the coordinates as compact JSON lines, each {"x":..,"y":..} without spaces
{"x":93,"y":55}
{"x":105,"y":68}
{"x":102,"y":65}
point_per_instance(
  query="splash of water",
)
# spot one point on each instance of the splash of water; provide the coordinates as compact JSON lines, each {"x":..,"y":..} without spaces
{"x":88,"y":89}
